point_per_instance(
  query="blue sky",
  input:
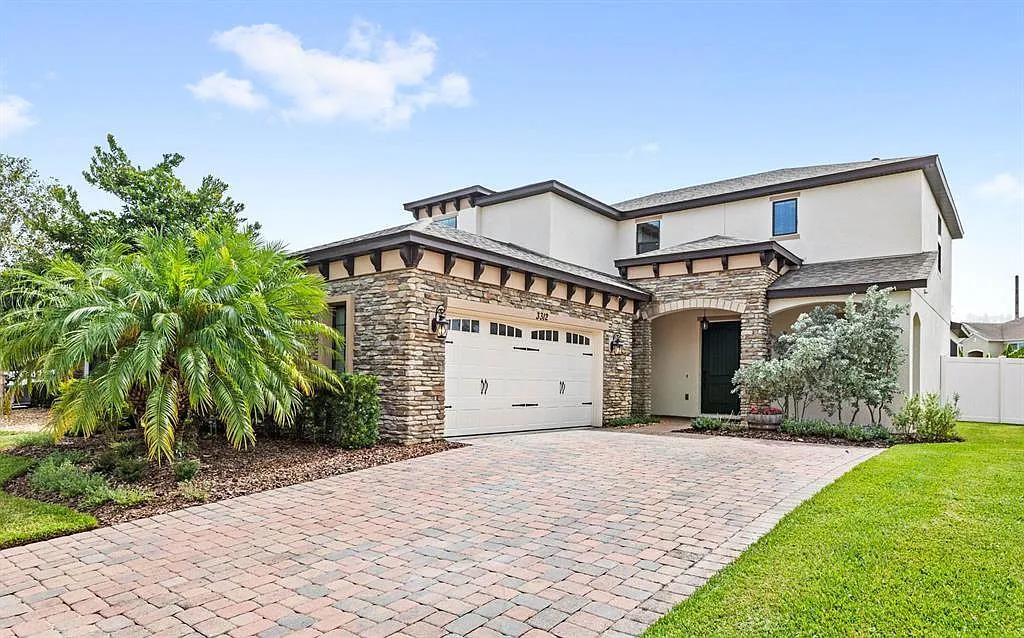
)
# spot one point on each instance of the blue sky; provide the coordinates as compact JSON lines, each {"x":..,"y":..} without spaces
{"x":325,"y":117}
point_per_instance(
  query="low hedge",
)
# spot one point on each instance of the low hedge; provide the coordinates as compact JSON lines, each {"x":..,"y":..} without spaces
{"x":825,"y":429}
{"x":349,"y":419}
{"x":631,"y":420}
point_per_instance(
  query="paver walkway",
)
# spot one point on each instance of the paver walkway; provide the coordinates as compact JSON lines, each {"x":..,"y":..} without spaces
{"x":578,"y":533}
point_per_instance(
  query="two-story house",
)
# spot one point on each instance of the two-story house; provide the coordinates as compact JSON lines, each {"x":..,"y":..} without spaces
{"x":542,"y":307}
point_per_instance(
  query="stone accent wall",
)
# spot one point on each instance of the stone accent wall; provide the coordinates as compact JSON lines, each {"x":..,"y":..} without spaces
{"x":743,"y":291}
{"x":642,"y":367}
{"x":393,"y":341}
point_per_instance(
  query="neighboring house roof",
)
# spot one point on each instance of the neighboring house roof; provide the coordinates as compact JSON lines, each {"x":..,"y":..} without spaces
{"x":1012,"y":330}
{"x":901,"y":272}
{"x":713,"y":246}
{"x":442,"y":238}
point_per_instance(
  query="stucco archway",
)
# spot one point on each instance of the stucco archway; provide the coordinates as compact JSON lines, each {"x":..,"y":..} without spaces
{"x":662,"y":308}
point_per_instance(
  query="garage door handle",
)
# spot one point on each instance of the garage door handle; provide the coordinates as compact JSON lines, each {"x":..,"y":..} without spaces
{"x":481,"y":386}
{"x":487,"y":386}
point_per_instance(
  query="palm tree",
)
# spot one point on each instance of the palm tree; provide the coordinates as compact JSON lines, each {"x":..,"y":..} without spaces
{"x":212,"y":324}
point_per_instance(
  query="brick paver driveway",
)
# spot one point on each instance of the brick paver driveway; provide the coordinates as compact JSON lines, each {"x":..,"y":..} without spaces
{"x":576,"y":533}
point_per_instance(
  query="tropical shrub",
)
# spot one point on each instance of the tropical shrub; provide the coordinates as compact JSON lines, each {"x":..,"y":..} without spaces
{"x":349,"y":418}
{"x":928,"y":418}
{"x":849,"y":359}
{"x":211,"y":325}
{"x":186,"y":469}
{"x":706,"y":423}
{"x":130,"y":469}
{"x":825,"y":429}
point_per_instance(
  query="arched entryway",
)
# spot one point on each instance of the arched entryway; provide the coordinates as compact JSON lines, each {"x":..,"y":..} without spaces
{"x":695,"y":352}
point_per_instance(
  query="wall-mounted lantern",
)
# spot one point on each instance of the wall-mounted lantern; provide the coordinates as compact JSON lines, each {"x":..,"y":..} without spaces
{"x":439,"y":323}
{"x":704,"y":323}
{"x":616,"y":344}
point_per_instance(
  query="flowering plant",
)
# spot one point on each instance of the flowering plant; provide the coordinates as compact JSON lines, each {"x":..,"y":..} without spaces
{"x":770,"y":409}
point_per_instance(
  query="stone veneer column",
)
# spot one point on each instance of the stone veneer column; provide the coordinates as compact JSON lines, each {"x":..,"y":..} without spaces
{"x":755,"y":331}
{"x":642,"y":367}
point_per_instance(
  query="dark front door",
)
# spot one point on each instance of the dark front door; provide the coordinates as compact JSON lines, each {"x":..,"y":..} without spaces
{"x":720,"y":358}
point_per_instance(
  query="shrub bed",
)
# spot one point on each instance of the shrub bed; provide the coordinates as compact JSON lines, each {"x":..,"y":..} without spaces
{"x":845,"y":431}
{"x":626,"y":421}
{"x":349,"y":419}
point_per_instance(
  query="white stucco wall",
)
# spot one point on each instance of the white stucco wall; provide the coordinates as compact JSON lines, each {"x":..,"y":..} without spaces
{"x":866,"y":218}
{"x":526,"y":222}
{"x":550,"y":225}
{"x":581,"y":236}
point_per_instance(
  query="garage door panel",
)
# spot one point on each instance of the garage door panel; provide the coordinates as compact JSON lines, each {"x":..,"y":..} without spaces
{"x":530,"y":383}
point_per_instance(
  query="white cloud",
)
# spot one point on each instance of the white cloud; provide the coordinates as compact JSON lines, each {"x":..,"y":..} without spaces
{"x":1004,"y":186}
{"x":374,"y":79}
{"x":650,"y":148}
{"x":14,"y":117}
{"x":220,"y":87}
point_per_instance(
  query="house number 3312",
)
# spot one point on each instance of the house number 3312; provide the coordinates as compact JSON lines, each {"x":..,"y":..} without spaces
{"x":542,"y":316}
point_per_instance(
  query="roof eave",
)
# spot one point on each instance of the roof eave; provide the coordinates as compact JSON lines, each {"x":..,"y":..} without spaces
{"x":705,"y":253}
{"x":844,"y":289}
{"x":476,"y":189}
{"x":927,"y":163}
{"x":410,"y":236}
{"x":551,"y":186}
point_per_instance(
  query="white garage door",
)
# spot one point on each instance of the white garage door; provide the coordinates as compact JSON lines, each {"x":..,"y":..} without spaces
{"x":504,"y":376}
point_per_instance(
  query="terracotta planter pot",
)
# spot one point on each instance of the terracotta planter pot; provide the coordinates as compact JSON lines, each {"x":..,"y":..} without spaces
{"x":764,"y":421}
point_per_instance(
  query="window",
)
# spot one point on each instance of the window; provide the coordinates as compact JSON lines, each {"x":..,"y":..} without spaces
{"x":464,"y":325}
{"x":339,"y":321}
{"x":939,"y":218}
{"x":939,"y":260}
{"x":448,"y":222}
{"x":784,"y":217}
{"x":572,"y":337}
{"x":648,"y":236}
{"x":544,"y":335}
{"x":505,"y":330}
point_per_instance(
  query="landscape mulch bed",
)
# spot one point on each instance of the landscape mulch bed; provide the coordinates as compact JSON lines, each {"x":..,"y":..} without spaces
{"x":775,"y":435}
{"x":226,"y":472}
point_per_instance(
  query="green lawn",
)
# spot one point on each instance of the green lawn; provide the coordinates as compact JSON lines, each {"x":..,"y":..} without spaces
{"x":25,"y":520}
{"x":920,"y":540}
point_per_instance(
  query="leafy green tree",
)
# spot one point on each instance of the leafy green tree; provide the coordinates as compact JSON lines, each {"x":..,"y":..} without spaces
{"x":48,"y":218}
{"x":851,"y":358}
{"x":206,"y":325}
{"x":24,"y":199}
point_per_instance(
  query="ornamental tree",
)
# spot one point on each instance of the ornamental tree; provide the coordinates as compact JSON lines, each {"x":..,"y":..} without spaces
{"x":838,"y":359}
{"x":208,"y":325}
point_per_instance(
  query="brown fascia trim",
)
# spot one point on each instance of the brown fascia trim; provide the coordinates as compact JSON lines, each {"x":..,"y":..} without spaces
{"x":551,"y":186}
{"x":468,"y":191}
{"x":406,"y":237}
{"x":664,"y":258}
{"x":928,"y":163}
{"x":844,"y":289}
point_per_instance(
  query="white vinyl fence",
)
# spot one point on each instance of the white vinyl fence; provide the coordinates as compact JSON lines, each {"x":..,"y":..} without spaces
{"x":991,"y":390}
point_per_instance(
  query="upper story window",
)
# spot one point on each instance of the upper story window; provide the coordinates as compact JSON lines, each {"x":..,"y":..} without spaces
{"x":939,"y":218}
{"x":449,"y":222}
{"x":648,"y":236}
{"x":505,"y":330}
{"x":784,"y":217}
{"x":939,"y":260}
